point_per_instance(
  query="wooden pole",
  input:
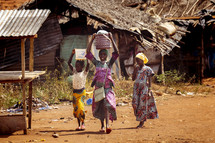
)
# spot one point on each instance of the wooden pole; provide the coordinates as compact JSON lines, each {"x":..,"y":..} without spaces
{"x":162,"y":67}
{"x":117,"y":44}
{"x":24,"y":103}
{"x":23,"y":73}
{"x":23,"y":77}
{"x":185,"y":18}
{"x":31,"y":68}
{"x":202,"y":58}
{"x":23,"y":57}
{"x":114,"y":65}
{"x":31,"y":55}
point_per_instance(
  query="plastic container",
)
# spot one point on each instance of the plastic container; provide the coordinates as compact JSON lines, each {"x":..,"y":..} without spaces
{"x":89,"y":101}
{"x":80,"y":54}
{"x":102,"y":40}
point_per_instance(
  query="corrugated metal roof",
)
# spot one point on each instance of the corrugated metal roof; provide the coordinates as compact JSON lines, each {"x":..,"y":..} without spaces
{"x":19,"y":23}
{"x":49,"y":39}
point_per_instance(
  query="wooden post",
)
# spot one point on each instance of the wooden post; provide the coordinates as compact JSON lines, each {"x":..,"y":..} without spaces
{"x":24,"y":103}
{"x":114,"y":65}
{"x":31,"y":55}
{"x":23,"y":77}
{"x":117,"y":45}
{"x":162,"y":67}
{"x":202,"y":58}
{"x":23,"y":73}
{"x":117,"y":75}
{"x":23,"y":57}
{"x":31,"y":68}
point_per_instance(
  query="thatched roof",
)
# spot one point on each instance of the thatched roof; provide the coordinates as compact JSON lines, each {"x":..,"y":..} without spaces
{"x":137,"y":16}
{"x":183,"y":8}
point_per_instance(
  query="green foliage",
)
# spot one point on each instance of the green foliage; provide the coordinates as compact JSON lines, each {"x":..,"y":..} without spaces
{"x":54,"y":87}
{"x":172,"y":77}
{"x":123,"y":88}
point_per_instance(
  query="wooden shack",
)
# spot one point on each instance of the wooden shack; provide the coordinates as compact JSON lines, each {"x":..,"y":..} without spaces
{"x":21,"y":25}
{"x":132,"y":28}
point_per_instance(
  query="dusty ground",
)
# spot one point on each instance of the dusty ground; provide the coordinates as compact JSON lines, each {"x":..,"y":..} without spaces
{"x":184,"y":119}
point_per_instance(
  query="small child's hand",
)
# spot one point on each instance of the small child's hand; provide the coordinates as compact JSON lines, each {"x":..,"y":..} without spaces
{"x":73,"y":51}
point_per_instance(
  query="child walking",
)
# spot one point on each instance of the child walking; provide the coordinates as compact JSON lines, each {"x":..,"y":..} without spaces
{"x":106,"y":108}
{"x":143,"y":101}
{"x":79,"y":92}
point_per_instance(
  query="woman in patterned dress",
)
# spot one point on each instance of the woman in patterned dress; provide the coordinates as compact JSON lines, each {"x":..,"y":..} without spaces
{"x":143,"y":101}
{"x":106,"y":108}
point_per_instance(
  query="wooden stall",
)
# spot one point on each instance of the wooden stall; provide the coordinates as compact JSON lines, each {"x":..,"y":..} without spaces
{"x":24,"y":24}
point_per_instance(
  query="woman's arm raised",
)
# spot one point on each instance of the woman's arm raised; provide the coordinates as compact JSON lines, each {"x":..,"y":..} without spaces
{"x":90,"y":44}
{"x":70,"y":60}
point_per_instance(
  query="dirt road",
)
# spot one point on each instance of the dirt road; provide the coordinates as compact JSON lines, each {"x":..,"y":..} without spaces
{"x":181,"y":119}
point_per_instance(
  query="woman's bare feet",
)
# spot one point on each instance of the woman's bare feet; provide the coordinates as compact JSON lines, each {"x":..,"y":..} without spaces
{"x":140,"y":125}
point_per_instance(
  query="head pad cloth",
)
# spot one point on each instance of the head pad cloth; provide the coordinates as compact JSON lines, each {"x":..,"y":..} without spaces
{"x":142,"y":57}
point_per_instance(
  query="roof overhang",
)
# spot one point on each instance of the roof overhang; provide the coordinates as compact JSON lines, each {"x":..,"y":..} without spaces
{"x":18,"y":24}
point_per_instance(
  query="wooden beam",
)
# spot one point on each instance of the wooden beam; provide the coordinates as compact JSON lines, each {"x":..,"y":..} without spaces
{"x":17,"y":75}
{"x":31,"y":68}
{"x":162,"y":67}
{"x":30,"y":105}
{"x":93,"y":16}
{"x":31,"y":55}
{"x":114,"y":64}
{"x":202,"y":59}
{"x":185,"y":18}
{"x":20,"y":37}
{"x":24,"y":102}
{"x":23,"y":57}
{"x":117,"y":45}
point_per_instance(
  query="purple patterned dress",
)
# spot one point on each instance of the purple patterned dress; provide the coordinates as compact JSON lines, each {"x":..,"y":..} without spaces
{"x":143,"y":102}
{"x":109,"y":103}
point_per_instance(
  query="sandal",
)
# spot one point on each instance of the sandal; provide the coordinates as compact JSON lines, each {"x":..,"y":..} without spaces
{"x":108,"y":130}
{"x":82,"y":127}
{"x":102,"y":130}
{"x":78,"y":129}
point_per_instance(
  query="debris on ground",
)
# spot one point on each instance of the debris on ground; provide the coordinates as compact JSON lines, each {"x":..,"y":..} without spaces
{"x":37,"y":105}
{"x":55,"y":135}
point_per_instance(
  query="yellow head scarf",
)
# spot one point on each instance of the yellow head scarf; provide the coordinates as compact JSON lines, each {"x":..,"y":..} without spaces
{"x":142,"y":57}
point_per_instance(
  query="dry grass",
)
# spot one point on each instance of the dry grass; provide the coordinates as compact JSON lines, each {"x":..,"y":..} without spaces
{"x":55,"y":88}
{"x":9,"y":94}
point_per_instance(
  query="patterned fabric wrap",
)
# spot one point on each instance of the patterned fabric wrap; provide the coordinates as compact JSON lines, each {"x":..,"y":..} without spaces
{"x":109,"y":103}
{"x":78,"y":104}
{"x":143,"y":102}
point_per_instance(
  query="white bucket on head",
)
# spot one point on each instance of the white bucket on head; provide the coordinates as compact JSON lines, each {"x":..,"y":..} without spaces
{"x":102,"y":40}
{"x":80,"y":54}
